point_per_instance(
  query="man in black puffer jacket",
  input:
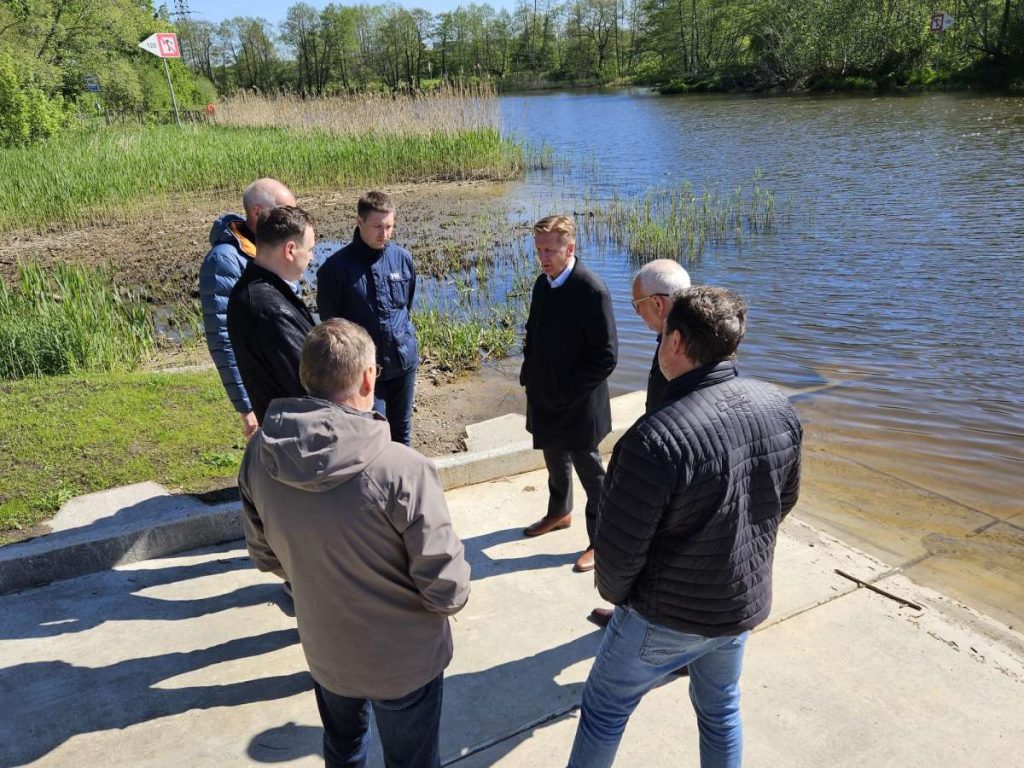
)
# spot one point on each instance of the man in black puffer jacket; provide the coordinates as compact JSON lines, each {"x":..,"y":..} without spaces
{"x":692,"y":502}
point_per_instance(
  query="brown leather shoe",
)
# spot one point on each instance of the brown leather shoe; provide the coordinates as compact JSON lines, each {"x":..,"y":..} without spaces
{"x":585,"y":562}
{"x":600,"y":616}
{"x":547,"y":524}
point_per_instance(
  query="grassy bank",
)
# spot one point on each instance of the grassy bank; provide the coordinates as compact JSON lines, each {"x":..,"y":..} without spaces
{"x":82,"y":178}
{"x":64,"y":436}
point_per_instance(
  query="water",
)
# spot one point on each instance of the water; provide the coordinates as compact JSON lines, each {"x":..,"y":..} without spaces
{"x":896,"y":281}
{"x":891,"y":295}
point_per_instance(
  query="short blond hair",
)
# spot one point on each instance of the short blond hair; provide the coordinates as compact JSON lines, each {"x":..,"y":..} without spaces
{"x":334,"y":356}
{"x":563,"y":225}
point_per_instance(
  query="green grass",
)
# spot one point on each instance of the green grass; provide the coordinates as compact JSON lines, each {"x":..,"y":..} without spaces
{"x":677,"y":223}
{"x":65,"y":436}
{"x":67,"y":318}
{"x":83,"y":178}
{"x":457,"y":344}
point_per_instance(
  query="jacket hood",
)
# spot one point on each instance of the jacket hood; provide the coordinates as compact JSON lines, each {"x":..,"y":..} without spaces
{"x":315,"y":445}
{"x":221,"y":231}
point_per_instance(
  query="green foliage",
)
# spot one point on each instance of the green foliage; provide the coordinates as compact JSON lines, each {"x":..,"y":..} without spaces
{"x":69,"y":435}
{"x":455,"y":344}
{"x":26,"y":113}
{"x":80,"y":177}
{"x":68,"y":318}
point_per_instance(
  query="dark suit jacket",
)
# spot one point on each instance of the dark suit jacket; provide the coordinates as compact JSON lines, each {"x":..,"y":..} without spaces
{"x":267,"y":324}
{"x":569,"y":351}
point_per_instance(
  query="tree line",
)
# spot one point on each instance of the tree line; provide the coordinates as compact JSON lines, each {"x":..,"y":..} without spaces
{"x":698,"y":44}
{"x":50,"y":49}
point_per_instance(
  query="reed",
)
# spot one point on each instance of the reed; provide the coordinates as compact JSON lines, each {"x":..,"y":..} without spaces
{"x":81,"y":179}
{"x":456,"y":342}
{"x":68,"y":318}
{"x":679,"y":223}
{"x":450,"y":109}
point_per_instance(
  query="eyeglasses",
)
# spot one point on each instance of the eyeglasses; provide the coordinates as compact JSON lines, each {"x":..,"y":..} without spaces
{"x":378,"y":370}
{"x":636,"y":303}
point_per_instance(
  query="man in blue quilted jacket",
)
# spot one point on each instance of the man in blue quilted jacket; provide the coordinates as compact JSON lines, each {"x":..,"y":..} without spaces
{"x":692,"y":502}
{"x":371,"y":282}
{"x":232,"y":247}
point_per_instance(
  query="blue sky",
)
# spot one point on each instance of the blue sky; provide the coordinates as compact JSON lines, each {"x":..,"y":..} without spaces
{"x":275,"y":10}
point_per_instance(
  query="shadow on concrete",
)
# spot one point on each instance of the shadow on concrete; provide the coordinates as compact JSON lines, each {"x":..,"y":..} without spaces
{"x":484,"y":566}
{"x":488,"y":711}
{"x":111,"y":596}
{"x":126,"y":693}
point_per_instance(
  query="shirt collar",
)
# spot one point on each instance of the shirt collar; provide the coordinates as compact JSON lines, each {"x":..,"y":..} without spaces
{"x":558,"y":281}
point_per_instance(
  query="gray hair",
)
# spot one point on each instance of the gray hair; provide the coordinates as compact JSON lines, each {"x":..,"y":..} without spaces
{"x":264,"y":193}
{"x":662,"y":276}
{"x":334,"y":356}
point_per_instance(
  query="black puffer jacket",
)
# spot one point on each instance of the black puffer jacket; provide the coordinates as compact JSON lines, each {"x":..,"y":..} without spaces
{"x":692,"y":502}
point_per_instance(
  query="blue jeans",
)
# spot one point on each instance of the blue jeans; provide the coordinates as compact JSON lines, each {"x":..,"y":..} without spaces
{"x":635,"y":654}
{"x":392,"y":399}
{"x":408,"y":727}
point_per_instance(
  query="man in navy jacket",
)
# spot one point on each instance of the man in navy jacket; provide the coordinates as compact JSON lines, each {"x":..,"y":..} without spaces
{"x":371,"y":282}
{"x":232,"y":247}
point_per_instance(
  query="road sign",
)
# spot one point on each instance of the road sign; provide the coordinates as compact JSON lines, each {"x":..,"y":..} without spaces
{"x":162,"y":44}
{"x":941,"y":22}
{"x":92,"y":83}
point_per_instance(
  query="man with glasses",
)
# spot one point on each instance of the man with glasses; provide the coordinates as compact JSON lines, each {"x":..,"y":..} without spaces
{"x":653,"y":287}
{"x":359,"y":525}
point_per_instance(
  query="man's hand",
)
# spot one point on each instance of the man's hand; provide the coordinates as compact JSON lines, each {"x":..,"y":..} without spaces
{"x":249,"y":424}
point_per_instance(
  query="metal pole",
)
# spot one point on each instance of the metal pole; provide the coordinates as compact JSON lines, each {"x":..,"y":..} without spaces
{"x":174,"y":100}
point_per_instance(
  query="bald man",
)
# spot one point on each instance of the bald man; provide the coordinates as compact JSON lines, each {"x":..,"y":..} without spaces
{"x":232,"y":247}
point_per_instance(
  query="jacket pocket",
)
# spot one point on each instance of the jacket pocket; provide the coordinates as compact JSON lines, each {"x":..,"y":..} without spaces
{"x":398,"y":289}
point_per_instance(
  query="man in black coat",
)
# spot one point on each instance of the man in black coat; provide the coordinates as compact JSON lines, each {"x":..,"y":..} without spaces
{"x":685,"y":541}
{"x":569,"y":351}
{"x":267,"y":321}
{"x":654,"y":285}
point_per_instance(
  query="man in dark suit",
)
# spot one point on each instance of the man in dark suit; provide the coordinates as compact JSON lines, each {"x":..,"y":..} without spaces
{"x":569,"y":351}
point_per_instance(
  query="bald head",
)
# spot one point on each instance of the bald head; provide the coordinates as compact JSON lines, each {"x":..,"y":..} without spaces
{"x":262,"y":195}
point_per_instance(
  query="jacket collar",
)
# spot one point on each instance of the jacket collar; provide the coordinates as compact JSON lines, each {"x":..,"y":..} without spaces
{"x":254,"y":272}
{"x":699,"y":378}
{"x":363,"y":249}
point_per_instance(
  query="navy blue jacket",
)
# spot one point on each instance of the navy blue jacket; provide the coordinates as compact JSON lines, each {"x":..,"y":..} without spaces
{"x":692,"y":502}
{"x":219,"y":272}
{"x":374,"y":289}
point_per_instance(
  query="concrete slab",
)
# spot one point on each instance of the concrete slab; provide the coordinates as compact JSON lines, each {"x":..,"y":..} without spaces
{"x":193,"y":659}
{"x":101,"y":530}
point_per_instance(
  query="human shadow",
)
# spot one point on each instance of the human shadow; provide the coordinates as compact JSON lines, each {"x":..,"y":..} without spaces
{"x":126,"y":693}
{"x":484,"y":566}
{"x":490,"y":711}
{"x":82,"y":604}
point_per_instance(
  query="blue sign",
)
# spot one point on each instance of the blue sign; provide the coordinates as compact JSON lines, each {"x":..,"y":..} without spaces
{"x":92,"y":84}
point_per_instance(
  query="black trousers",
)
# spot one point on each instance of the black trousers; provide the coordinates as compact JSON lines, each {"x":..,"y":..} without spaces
{"x":591,"y":472}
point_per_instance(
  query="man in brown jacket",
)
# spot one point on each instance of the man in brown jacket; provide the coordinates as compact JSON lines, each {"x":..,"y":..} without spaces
{"x":359,"y":525}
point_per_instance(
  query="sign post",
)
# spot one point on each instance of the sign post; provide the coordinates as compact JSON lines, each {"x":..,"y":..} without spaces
{"x":165,"y":45}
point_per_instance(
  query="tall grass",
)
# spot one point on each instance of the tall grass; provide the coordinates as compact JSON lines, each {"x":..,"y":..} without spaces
{"x":679,"y":223}
{"x":451,"y":109}
{"x":68,"y":318}
{"x":82,"y":178}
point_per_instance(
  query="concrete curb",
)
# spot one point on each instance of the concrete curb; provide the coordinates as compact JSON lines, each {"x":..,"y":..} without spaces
{"x":143,"y":521}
